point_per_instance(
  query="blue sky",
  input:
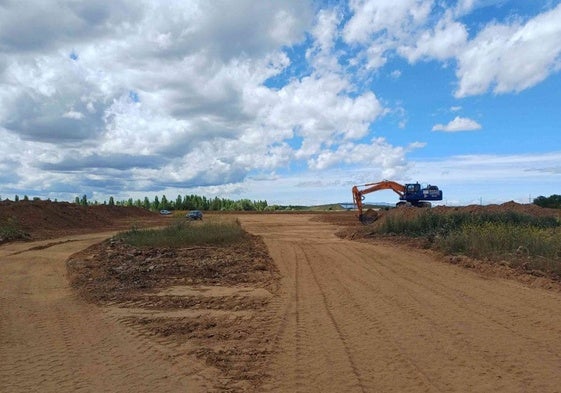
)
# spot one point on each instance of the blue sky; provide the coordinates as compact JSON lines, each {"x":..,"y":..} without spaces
{"x":289,"y":101}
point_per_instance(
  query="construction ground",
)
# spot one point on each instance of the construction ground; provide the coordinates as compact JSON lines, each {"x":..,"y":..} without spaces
{"x":307,"y":304}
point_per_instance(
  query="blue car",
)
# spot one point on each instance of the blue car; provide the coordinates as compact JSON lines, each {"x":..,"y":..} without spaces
{"x":195,"y":215}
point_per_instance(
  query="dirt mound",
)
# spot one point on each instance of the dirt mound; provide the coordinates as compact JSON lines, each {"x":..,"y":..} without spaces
{"x":42,"y":219}
{"x":214,"y":298}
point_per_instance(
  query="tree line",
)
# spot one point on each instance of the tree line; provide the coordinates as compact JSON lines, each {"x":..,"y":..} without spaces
{"x":186,"y":202}
{"x":553,"y":201}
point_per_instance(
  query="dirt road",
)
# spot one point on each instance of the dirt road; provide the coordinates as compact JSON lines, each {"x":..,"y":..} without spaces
{"x":357,"y":317}
{"x":51,"y":341}
{"x":351,"y":317}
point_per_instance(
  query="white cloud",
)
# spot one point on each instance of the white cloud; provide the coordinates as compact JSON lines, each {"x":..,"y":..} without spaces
{"x":445,"y":41}
{"x":325,"y":33}
{"x":392,"y":17}
{"x":457,"y":125}
{"x":173,"y":95}
{"x":511,"y":57}
{"x":71,"y":114}
{"x":377,"y":27}
{"x":147,"y":96}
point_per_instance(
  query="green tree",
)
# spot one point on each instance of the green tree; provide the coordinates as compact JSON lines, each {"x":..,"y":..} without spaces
{"x":164,"y":204}
{"x":553,"y":201}
{"x":111,"y":201}
{"x":216,"y":204}
{"x":260,"y":205}
{"x":146,"y":203}
{"x":156,"y":203}
{"x":179,"y":203}
{"x":84,"y":200}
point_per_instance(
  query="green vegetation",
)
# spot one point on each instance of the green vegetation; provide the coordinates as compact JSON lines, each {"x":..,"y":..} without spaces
{"x":524,"y":240}
{"x":497,"y":239}
{"x":11,"y":230}
{"x":553,"y":201}
{"x":431,"y":224}
{"x":186,"y":233}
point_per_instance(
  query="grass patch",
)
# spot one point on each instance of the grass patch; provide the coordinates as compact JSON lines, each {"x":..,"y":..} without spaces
{"x":11,"y":230}
{"x":494,"y":240}
{"x":432,"y":224}
{"x":184,"y":233}
{"x":533,"y":243}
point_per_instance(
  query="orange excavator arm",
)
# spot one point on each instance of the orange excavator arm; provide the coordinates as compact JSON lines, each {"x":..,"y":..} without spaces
{"x":358,"y":194}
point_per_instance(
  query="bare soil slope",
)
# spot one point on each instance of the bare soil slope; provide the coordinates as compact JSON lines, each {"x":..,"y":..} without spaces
{"x":46,"y":219}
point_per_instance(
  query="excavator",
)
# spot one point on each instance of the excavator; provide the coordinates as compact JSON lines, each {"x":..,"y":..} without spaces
{"x":412,"y":194}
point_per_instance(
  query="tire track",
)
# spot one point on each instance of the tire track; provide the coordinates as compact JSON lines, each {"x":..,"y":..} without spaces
{"x":461,"y":303}
{"x":359,"y":311}
{"x":453,"y":341}
{"x":340,"y":334}
{"x":53,"y":342}
{"x":393,"y":320}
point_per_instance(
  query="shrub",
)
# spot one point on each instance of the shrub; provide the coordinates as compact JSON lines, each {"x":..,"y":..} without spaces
{"x":11,"y":230}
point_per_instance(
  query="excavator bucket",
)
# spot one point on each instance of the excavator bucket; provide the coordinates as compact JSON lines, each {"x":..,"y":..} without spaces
{"x":369,"y":217}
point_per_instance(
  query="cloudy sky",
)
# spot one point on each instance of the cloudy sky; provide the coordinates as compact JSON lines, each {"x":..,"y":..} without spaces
{"x":289,"y":101}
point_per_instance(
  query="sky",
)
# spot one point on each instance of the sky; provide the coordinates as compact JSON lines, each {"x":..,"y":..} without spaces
{"x":289,"y":101}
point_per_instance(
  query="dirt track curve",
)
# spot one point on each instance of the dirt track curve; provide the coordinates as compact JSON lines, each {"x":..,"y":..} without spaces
{"x":351,"y":317}
{"x":51,"y":341}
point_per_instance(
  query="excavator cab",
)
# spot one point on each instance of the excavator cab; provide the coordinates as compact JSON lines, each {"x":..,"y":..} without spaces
{"x":418,"y":195}
{"x":412,"y":188}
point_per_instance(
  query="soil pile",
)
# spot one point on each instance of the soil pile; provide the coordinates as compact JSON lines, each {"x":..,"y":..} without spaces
{"x":208,"y":302}
{"x":44,"y":219}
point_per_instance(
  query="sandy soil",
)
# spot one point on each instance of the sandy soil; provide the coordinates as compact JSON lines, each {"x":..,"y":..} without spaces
{"x":348,"y":316}
{"x":359,"y":317}
{"x":52,"y":341}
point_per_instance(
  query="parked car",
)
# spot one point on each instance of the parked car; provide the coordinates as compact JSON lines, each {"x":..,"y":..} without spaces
{"x":165,"y":212}
{"x":195,"y":215}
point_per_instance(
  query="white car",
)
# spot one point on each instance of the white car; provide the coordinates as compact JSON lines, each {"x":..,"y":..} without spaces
{"x":165,"y":212}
